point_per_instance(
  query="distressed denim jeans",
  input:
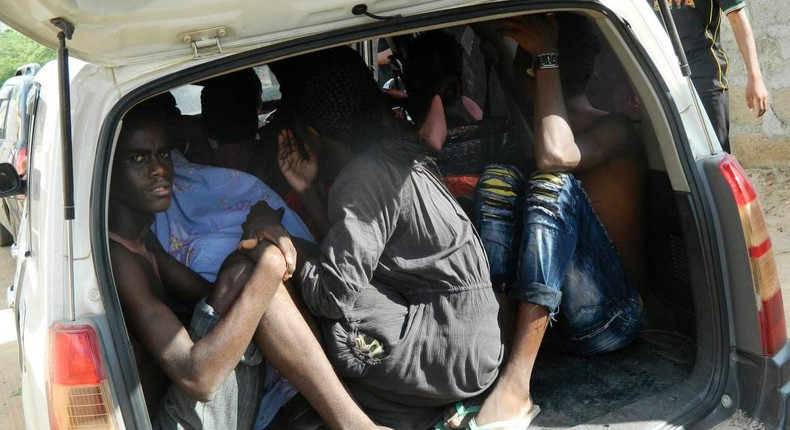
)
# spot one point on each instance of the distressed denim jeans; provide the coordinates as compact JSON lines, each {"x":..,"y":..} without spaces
{"x":547,"y":247}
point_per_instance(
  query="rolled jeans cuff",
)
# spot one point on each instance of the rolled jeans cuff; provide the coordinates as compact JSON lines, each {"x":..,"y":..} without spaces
{"x":537,"y":294}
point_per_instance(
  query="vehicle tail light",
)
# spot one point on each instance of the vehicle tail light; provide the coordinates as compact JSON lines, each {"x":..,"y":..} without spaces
{"x":773,"y":333}
{"x":79,"y":395}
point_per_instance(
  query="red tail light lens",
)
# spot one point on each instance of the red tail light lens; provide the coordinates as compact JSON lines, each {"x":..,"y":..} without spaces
{"x":773,"y":332}
{"x":78,"y":390}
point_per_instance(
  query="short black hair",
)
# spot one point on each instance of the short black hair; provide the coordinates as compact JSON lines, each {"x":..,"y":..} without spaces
{"x":164,"y":105}
{"x":229,"y":105}
{"x":148,"y":112}
{"x":337,"y":95}
{"x":430,"y":53}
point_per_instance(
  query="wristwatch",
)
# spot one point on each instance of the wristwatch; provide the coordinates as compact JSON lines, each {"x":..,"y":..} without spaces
{"x":546,"y":61}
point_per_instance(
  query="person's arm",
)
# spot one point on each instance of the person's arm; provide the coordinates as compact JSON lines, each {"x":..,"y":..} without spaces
{"x":314,"y":205}
{"x":181,"y":281}
{"x":557,"y":149}
{"x":300,"y":170}
{"x":433,"y":131}
{"x":198,"y":368}
{"x":264,"y":224}
{"x":555,"y":146}
{"x":363,"y":211}
{"x":756,"y":94}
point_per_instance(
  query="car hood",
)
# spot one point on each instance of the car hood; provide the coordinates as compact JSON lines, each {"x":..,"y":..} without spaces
{"x":119,"y":32}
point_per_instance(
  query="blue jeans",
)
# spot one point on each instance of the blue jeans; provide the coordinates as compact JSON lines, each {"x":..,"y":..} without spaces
{"x":546,"y":246}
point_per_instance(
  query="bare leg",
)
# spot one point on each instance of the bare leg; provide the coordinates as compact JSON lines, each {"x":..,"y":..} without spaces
{"x":234,"y":274}
{"x":511,"y":399}
{"x":287,"y":342}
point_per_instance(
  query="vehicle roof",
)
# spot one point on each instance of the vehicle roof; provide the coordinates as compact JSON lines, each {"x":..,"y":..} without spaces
{"x":16,"y":82}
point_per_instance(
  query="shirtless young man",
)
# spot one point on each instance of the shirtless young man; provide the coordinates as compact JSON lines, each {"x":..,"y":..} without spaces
{"x":582,"y":239}
{"x":210,"y":387}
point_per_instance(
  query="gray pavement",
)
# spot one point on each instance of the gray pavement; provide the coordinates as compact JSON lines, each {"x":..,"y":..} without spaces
{"x":10,"y":387}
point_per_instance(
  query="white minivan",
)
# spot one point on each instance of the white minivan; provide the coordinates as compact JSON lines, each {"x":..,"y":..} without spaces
{"x":713,"y":349}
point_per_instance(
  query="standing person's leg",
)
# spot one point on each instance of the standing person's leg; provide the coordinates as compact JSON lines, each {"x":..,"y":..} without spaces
{"x":716,"y":104}
{"x":498,"y":200}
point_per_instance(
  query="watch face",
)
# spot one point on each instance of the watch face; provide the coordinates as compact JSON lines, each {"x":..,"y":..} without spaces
{"x":547,"y":61}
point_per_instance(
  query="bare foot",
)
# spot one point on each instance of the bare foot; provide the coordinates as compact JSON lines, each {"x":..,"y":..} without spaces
{"x":506,"y":402}
{"x":459,"y":414}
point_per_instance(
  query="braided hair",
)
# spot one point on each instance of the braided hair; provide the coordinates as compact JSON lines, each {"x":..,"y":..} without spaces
{"x":337,"y":96}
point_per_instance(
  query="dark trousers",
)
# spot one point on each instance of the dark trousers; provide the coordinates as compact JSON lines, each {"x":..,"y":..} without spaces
{"x":716,"y":104}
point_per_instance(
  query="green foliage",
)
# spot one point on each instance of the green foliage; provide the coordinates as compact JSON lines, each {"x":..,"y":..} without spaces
{"x":16,"y":50}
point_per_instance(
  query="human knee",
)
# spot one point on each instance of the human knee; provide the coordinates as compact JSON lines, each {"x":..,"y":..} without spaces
{"x":551,"y":193}
{"x":271,"y":261}
{"x":498,"y":191}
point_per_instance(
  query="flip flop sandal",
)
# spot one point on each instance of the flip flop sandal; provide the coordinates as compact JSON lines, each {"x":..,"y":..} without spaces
{"x":520,"y":424}
{"x":461,"y":411}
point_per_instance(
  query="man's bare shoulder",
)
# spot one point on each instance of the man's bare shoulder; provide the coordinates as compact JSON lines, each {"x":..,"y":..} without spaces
{"x":135,"y":277}
{"x":617,"y":135}
{"x":617,"y":126}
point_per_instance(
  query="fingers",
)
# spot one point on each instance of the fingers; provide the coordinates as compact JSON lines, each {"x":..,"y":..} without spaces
{"x":247,"y":244}
{"x":311,"y":156}
{"x":282,"y":153}
{"x":757,"y":105}
{"x":282,"y":240}
{"x":762,"y":106}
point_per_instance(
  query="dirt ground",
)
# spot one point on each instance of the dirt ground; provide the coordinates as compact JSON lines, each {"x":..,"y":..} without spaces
{"x":773,"y":191}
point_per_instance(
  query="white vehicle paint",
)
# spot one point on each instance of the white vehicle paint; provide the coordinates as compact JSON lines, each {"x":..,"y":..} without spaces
{"x":124,"y":52}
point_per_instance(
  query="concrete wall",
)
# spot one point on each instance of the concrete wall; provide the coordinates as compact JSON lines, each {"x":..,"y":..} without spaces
{"x":763,"y":142}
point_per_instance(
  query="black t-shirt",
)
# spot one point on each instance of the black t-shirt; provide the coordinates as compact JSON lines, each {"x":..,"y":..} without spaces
{"x":698,"y":23}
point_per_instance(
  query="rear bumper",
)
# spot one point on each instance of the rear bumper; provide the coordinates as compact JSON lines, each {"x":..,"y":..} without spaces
{"x":764,"y":387}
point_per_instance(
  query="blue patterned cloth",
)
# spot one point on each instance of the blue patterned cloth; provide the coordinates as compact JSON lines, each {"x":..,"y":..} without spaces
{"x":203,"y":225}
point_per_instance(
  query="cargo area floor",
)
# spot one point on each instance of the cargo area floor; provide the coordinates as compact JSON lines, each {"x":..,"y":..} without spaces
{"x":573,"y":391}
